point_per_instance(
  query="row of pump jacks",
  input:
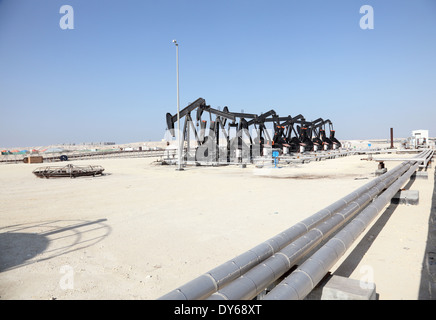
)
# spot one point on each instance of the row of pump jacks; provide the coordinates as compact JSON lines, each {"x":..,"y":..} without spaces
{"x":288,"y":135}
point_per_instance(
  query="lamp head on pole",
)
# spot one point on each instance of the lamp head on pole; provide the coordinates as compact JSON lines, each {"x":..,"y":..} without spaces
{"x":175,"y":42}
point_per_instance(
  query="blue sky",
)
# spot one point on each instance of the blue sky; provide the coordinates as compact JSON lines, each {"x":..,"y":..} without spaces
{"x":113,"y":77}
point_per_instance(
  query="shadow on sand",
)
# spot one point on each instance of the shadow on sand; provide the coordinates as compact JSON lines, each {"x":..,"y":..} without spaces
{"x":24,"y":244}
{"x":427,"y":290}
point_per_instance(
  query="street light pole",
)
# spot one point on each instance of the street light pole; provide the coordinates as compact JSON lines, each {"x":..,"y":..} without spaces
{"x":179,"y":167}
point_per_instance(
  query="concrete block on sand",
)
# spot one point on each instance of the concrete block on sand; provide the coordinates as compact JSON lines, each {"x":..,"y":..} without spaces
{"x":379,"y":172}
{"x":420,"y":175}
{"x":406,"y":197}
{"x":342,"y":288}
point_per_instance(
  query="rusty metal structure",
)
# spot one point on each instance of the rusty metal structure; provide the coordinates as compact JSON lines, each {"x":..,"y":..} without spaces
{"x":69,"y":170}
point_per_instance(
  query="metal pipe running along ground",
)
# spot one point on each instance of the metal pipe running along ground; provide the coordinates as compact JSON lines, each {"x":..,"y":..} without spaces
{"x":208,"y":283}
{"x":302,"y":281}
{"x":261,"y":276}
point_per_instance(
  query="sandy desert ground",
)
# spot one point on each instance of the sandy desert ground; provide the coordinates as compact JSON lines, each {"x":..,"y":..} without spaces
{"x":142,"y":229}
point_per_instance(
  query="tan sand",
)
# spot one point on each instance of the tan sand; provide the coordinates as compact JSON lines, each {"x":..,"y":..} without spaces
{"x":141,"y":230}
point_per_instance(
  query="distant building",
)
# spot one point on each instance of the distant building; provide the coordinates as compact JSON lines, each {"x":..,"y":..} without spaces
{"x":419,"y":138}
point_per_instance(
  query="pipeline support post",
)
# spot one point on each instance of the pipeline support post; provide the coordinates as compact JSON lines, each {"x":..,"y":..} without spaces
{"x":381,"y":169}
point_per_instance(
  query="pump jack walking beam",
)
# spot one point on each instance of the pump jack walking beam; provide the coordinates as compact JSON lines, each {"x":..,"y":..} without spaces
{"x":293,"y":133}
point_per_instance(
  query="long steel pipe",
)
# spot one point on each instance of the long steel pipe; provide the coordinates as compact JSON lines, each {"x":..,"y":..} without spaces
{"x":213,"y":280}
{"x":300,"y":282}
{"x":259,"y":277}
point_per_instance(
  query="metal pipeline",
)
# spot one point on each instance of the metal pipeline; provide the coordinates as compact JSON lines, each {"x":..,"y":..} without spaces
{"x":300,"y":282}
{"x":215,"y":279}
{"x":254,"y":281}
{"x":423,"y":158}
{"x":427,"y":156}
